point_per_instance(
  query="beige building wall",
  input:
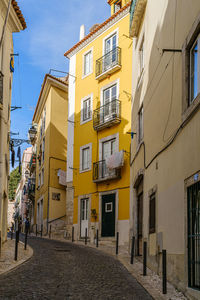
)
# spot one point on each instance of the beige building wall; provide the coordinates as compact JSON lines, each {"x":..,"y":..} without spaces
{"x":167,"y":155}
{"x":13,"y":24}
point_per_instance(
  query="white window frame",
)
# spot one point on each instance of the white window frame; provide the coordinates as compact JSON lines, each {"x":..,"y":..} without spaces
{"x":105,"y":87}
{"x":116,"y":3}
{"x":91,"y":63}
{"x":198,"y":68}
{"x":106,"y":139}
{"x":116,"y":31}
{"x":81,"y":158}
{"x":91,"y":108}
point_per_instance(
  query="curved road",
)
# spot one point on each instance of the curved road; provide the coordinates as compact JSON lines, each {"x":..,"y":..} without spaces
{"x":60,"y":270}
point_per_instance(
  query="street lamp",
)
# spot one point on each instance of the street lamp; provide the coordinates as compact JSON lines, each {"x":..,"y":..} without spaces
{"x":32,"y":133}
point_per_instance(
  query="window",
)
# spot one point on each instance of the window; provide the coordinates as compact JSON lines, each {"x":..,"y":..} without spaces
{"x":88,"y":63}
{"x":140,"y":125}
{"x":39,"y":180}
{"x":40,"y":155}
{"x":109,"y":100}
{"x":86,"y":109}
{"x":85,"y":158}
{"x":191,"y":71}
{"x":44,"y":120}
{"x":43,"y":148}
{"x":42,"y":177}
{"x":110,"y":57}
{"x":141,"y":56}
{"x":194,"y":69}
{"x":117,"y":6}
{"x":41,"y":129}
{"x":152,"y":213}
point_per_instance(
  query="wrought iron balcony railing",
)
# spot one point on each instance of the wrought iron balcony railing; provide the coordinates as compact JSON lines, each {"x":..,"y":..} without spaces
{"x":102,"y":173}
{"x":110,"y":61}
{"x":107,"y":115}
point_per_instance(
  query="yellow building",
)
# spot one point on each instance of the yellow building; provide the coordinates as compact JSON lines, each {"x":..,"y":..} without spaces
{"x":165,"y":160}
{"x":98,"y":121}
{"x":51,"y":148}
{"x":11,"y":20}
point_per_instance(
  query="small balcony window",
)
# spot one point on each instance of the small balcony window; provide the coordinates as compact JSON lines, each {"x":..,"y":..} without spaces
{"x":194,"y":69}
{"x":117,"y":6}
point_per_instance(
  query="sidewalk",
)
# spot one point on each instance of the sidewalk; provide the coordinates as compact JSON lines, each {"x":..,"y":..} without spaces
{"x":7,"y":262}
{"x":152,"y":282}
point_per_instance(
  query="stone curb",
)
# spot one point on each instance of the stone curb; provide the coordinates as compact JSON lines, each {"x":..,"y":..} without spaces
{"x":17,"y":264}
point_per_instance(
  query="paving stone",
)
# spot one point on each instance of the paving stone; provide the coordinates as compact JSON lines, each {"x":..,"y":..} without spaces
{"x":67,"y":271}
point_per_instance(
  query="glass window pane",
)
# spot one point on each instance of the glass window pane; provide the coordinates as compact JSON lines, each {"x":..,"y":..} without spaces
{"x":194,"y":72}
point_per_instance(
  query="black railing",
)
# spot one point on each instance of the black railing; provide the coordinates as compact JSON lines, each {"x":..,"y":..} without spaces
{"x":101,"y":172}
{"x":108,"y":61}
{"x":108,"y":113}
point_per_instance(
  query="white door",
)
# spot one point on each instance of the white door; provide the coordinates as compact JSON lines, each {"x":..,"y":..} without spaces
{"x":84,"y":216}
{"x":110,"y":52}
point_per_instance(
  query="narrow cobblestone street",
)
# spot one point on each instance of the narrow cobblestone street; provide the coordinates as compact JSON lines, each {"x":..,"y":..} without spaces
{"x":66,"y":271}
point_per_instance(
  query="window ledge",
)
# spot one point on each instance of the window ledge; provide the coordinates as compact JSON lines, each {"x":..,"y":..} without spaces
{"x":86,"y":121}
{"x":194,"y":106}
{"x":84,"y":76}
{"x":83,"y":171}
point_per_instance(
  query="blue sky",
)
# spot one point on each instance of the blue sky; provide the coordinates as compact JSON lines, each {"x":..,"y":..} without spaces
{"x":52,"y":28}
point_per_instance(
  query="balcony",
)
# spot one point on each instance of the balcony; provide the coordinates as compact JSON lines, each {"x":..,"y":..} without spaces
{"x":102,"y":173}
{"x":108,"y":64}
{"x":32,"y":163}
{"x":136,"y":16}
{"x":107,"y":115}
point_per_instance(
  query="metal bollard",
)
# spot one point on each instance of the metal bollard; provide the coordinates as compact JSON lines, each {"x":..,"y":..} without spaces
{"x":85,"y":236}
{"x":132,"y":249}
{"x":72,"y":234}
{"x":50,"y":232}
{"x":11,"y":234}
{"x":26,"y":235}
{"x":164,"y":271}
{"x":145,"y":259}
{"x":97,"y":239}
{"x":117,"y":243}
{"x":36,"y":230}
{"x":41,"y":230}
{"x":16,"y":243}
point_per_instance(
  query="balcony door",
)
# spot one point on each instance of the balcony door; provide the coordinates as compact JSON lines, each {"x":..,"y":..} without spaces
{"x":110,"y":51}
{"x":108,"y":148}
{"x":109,"y":102}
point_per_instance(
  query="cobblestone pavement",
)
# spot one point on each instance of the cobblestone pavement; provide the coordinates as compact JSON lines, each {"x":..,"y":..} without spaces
{"x":66,"y":271}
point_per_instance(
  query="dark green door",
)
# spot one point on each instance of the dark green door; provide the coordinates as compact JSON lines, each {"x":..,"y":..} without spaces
{"x":108,"y":215}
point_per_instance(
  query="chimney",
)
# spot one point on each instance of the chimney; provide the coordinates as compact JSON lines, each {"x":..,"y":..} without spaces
{"x":82,"y":32}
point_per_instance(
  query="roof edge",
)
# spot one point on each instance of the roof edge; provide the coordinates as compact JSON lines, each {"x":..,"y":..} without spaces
{"x":97,"y":29}
{"x":19,"y":14}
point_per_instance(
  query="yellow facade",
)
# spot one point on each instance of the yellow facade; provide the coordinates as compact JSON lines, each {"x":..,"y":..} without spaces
{"x":14,"y":23}
{"x":50,"y":117}
{"x":84,"y":133}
